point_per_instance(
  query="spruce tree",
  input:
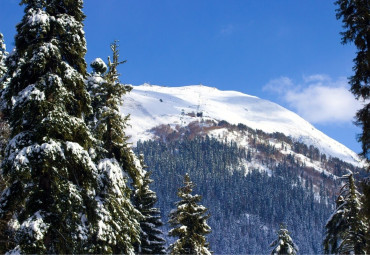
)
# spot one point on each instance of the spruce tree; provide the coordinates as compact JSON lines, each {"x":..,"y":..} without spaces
{"x":355,"y":15}
{"x":118,"y":221}
{"x":334,"y":228}
{"x":4,"y":127}
{"x":284,"y":243}
{"x":3,"y":55}
{"x":366,"y":209}
{"x":189,"y":222}
{"x":107,"y":124}
{"x":144,"y":199}
{"x":345,"y":229}
{"x":4,"y":136}
{"x":49,"y":176}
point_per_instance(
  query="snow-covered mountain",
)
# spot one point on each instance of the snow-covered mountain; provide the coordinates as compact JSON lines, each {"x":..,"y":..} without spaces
{"x":256,"y":162}
{"x":151,"y":106}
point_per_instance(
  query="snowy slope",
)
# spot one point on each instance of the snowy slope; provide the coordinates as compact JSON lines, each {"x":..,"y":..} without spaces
{"x":150,"y":106}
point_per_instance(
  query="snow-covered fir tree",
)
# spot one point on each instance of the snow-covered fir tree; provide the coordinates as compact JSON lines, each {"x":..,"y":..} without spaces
{"x":4,"y":238}
{"x":118,"y":221}
{"x":144,"y":199}
{"x":50,"y":179}
{"x":355,"y":16}
{"x":3,"y":54}
{"x":284,"y":243}
{"x":366,"y":208}
{"x":107,"y":124}
{"x":4,"y":135}
{"x":334,"y":228}
{"x":4,"y":127}
{"x":346,"y":228}
{"x":189,"y":222}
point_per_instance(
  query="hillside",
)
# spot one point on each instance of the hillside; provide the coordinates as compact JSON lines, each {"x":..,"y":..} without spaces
{"x":246,"y":204}
{"x":255,"y":163}
{"x":151,"y":106}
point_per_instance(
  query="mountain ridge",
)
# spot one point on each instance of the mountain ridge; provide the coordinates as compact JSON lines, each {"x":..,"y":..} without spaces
{"x":150,"y":106}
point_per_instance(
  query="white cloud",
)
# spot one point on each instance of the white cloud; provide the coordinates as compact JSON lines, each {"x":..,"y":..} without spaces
{"x":317,"y":98}
{"x":279,"y":85}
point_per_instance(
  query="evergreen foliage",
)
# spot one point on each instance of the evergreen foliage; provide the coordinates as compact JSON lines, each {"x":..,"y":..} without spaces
{"x":118,"y":221}
{"x":49,"y":176}
{"x":366,"y":209}
{"x":144,"y":199}
{"x":189,"y":222}
{"x":345,"y":229}
{"x":3,"y":55}
{"x":334,"y":227}
{"x":355,"y":15}
{"x":4,"y":126}
{"x":4,"y":238}
{"x":245,"y":202}
{"x":107,"y":123}
{"x":4,"y":135}
{"x":117,"y":227}
{"x":284,"y":243}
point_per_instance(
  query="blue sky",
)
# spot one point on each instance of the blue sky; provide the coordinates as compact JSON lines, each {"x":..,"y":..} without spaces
{"x":286,"y":51}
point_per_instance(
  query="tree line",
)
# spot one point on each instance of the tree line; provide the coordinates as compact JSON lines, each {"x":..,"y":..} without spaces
{"x":71,"y":184}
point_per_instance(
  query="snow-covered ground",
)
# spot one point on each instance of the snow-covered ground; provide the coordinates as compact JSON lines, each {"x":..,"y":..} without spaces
{"x":151,"y":105}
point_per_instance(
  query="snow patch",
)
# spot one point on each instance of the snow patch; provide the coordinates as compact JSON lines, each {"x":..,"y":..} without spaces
{"x":82,"y":228}
{"x":110,"y":170}
{"x":150,"y":106}
{"x":36,"y":17}
{"x":30,"y":92}
{"x":35,"y":226}
{"x":16,"y":251}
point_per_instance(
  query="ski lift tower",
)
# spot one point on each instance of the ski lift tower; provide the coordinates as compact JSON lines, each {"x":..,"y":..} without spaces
{"x":199,"y":111}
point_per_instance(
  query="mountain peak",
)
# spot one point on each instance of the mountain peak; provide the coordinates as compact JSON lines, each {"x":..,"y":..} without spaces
{"x":152,"y":105}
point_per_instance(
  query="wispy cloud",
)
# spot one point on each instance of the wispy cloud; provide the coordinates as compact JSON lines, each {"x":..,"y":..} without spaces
{"x":317,"y":98}
{"x":279,"y":85}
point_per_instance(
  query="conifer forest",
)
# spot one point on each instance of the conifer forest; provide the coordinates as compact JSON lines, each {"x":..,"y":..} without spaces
{"x":71,"y":182}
